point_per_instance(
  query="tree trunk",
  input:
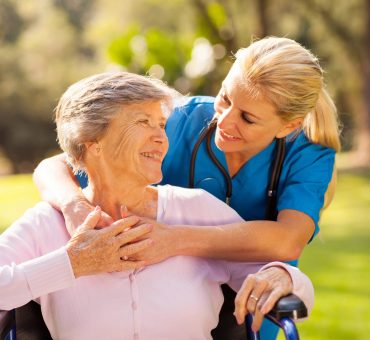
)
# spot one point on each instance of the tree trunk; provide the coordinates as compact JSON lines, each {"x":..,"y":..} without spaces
{"x":264,"y":28}
{"x":363,"y":134}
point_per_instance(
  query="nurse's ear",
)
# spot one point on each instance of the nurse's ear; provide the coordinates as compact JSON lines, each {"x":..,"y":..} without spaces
{"x":93,"y":148}
{"x":289,"y":127}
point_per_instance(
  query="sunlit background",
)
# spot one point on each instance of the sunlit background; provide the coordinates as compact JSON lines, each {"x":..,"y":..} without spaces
{"x":46,"y":45}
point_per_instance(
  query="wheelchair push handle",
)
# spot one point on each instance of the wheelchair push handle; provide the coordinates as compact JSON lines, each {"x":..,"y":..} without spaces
{"x":287,"y":309}
{"x":290,"y":306}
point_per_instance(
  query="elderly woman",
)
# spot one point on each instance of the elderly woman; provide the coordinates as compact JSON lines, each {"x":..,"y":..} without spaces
{"x":112,"y":127}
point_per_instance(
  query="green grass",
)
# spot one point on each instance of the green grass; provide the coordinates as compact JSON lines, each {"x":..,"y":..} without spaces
{"x":17,"y":193}
{"x":337,"y":261}
{"x":338,"y":264}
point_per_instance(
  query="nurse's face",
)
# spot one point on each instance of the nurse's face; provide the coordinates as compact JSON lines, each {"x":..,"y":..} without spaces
{"x":246,"y":125}
{"x":135,"y":142}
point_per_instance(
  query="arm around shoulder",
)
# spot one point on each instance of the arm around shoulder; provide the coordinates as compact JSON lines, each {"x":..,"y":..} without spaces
{"x":56,"y":182}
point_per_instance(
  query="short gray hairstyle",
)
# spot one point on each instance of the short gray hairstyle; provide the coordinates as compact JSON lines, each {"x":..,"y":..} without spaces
{"x":86,"y":108}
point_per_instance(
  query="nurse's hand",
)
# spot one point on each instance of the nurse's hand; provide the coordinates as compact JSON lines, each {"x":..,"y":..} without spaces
{"x":76,"y":211}
{"x":93,"y":251}
{"x":260,"y":292}
{"x":162,"y":247}
{"x":164,"y":240}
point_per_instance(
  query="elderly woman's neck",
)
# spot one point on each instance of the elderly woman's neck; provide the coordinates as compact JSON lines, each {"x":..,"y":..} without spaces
{"x":140,"y":200}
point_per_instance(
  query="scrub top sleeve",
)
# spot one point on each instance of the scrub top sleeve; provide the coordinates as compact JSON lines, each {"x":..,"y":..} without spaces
{"x":82,"y":179}
{"x":309,"y":174}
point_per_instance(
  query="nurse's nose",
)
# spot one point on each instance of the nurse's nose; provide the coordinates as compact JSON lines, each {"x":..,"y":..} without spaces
{"x":227,"y":118}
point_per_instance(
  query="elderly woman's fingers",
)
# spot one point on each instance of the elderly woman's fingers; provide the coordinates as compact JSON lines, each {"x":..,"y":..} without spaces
{"x":92,"y":219}
{"x":126,"y":251}
{"x":118,"y":227}
{"x":242,"y":298}
{"x":133,"y":234}
{"x":124,"y":211}
{"x":271,"y":300}
{"x":129,"y":265}
{"x":105,"y":220}
{"x":257,"y":320}
{"x":255,"y":296}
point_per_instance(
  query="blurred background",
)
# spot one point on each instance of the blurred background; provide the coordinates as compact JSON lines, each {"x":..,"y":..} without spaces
{"x":46,"y":45}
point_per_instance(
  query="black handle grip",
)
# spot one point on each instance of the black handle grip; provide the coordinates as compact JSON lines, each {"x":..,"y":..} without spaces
{"x":290,"y":306}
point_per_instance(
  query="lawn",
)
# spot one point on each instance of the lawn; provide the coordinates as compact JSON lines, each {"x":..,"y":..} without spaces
{"x":338,"y":261}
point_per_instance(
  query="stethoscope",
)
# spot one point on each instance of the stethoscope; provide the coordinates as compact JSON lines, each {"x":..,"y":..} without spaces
{"x":207,"y":132}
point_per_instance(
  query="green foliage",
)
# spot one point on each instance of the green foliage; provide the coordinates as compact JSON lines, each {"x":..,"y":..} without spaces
{"x":43,"y":49}
{"x":119,"y":49}
{"x":139,"y":50}
{"x":217,"y":14}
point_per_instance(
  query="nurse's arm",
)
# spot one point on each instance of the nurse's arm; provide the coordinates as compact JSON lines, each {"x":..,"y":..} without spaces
{"x":58,"y":186}
{"x":282,"y":240}
{"x":56,"y":182}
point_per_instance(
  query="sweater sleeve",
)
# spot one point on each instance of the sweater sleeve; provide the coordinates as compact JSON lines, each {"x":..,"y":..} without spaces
{"x":302,"y":285}
{"x":33,"y":262}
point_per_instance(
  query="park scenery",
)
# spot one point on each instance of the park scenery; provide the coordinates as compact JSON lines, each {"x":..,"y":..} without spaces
{"x":47,"y":45}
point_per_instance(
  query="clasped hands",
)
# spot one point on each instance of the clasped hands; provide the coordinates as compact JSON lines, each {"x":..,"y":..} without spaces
{"x":100,"y":244}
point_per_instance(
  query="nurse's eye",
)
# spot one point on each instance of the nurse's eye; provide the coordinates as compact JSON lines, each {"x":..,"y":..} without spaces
{"x":225,"y":98}
{"x":162,"y":125}
{"x":246,"y":118}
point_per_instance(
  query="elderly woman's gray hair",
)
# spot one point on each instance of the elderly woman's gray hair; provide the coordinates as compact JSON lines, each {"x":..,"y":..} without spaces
{"x":85,"y":110}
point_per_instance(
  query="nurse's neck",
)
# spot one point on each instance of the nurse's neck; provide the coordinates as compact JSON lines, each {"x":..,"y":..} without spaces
{"x":235,"y":161}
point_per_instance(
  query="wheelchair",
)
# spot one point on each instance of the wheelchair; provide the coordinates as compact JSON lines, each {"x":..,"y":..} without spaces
{"x":26,"y":323}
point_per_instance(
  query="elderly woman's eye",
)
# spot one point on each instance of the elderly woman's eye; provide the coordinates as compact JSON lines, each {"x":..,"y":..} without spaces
{"x":144,"y":121}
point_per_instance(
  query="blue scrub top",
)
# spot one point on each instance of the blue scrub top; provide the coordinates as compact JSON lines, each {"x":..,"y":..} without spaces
{"x":306,"y":171}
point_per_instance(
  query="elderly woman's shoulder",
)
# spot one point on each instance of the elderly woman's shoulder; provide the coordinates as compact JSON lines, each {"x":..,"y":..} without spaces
{"x":43,"y":214}
{"x":198,"y":202}
{"x":40,"y":225}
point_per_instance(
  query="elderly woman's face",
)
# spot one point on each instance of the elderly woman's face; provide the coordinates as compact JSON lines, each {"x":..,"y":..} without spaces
{"x":135,"y":143}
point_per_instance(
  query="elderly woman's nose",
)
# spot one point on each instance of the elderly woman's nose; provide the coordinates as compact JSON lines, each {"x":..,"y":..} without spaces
{"x":159,"y":135}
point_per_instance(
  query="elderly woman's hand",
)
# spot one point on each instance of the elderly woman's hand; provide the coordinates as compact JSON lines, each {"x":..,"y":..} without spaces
{"x":260,"y":292}
{"x":76,"y":211}
{"x":94,"y":251}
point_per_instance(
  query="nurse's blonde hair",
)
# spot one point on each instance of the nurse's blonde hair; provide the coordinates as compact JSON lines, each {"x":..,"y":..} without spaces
{"x":290,"y":77}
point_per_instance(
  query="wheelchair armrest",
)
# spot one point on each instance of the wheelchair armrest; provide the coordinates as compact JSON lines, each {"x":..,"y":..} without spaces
{"x":7,"y":322}
{"x":290,"y":306}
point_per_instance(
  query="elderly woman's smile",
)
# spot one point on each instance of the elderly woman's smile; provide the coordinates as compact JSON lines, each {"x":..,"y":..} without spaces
{"x":155,"y":156}
{"x":134,"y":144}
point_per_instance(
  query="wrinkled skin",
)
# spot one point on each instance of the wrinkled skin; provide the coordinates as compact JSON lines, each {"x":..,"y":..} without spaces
{"x":87,"y":245}
{"x":260,"y":292}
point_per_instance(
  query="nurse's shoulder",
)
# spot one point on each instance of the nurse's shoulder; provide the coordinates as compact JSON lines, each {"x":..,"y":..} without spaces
{"x":300,"y":150}
{"x":190,"y":115}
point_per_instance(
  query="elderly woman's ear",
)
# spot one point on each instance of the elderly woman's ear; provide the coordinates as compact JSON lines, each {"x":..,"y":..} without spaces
{"x":93,"y":148}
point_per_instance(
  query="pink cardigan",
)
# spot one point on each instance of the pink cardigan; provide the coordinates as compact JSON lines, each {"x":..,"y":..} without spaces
{"x":179,"y":298}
